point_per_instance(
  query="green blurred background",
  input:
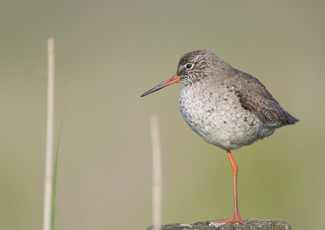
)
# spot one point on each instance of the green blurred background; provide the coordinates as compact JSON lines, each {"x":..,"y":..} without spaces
{"x":107,"y":54}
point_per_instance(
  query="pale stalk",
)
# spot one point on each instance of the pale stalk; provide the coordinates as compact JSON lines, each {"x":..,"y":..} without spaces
{"x":157,"y":172}
{"x":49,"y":138}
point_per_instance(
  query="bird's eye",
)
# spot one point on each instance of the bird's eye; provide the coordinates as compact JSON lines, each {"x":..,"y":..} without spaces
{"x":189,"y":66}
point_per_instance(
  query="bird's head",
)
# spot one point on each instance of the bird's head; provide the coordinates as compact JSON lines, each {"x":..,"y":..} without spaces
{"x":191,"y":67}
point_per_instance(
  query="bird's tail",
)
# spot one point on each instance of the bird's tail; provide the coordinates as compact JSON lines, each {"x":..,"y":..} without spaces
{"x":290,"y":120}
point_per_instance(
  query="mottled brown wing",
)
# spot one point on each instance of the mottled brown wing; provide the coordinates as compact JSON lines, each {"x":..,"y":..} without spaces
{"x":254,"y":96}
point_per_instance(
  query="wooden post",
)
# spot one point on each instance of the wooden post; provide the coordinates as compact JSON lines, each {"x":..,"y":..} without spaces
{"x":252,"y":224}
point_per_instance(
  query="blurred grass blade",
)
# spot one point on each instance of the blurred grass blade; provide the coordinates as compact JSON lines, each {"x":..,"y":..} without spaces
{"x":49,"y":138}
{"x":55,"y":175}
{"x":157,"y":172}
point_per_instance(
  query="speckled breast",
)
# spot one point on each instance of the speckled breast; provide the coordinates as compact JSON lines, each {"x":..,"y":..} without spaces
{"x":217,"y":116}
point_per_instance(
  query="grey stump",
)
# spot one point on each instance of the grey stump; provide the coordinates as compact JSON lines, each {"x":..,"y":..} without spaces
{"x":252,"y":224}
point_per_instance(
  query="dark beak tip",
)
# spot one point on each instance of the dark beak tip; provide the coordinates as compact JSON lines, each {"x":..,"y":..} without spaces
{"x":145,"y":94}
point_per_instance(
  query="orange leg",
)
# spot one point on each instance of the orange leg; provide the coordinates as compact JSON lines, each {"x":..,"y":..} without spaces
{"x":237,"y":218}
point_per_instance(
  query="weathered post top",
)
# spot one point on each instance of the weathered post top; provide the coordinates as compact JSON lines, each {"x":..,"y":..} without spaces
{"x":252,"y":224}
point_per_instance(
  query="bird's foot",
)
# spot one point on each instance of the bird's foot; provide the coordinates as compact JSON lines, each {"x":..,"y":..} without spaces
{"x":236,"y":219}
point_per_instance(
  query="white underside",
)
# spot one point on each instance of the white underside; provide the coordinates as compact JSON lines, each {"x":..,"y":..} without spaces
{"x":219,"y":118}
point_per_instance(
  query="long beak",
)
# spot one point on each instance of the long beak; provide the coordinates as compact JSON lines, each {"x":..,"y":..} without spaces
{"x":169,"y":81}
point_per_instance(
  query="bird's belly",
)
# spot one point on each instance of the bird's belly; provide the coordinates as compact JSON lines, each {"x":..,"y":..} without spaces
{"x":219,"y":119}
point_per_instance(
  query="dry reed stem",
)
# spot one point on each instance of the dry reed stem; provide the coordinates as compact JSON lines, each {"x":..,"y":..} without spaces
{"x":49,"y":138}
{"x":157,"y":172}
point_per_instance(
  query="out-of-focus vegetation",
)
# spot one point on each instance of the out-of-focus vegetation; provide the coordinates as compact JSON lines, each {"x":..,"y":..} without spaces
{"x":107,"y":54}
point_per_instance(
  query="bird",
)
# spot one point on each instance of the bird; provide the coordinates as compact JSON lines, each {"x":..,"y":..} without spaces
{"x":225,"y":107}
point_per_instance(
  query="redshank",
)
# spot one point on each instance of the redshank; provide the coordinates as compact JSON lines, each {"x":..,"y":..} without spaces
{"x":225,"y":106}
